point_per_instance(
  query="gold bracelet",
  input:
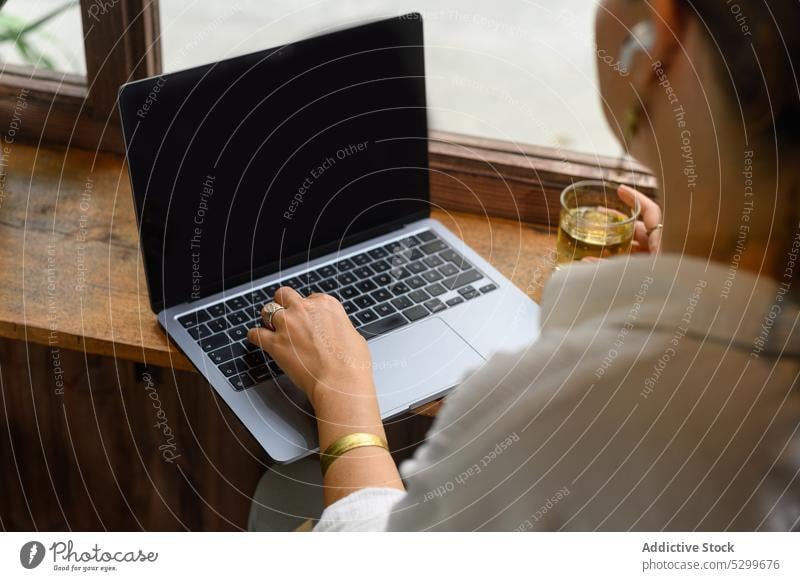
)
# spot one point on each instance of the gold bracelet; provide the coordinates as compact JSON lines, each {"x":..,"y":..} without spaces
{"x":347,"y":443}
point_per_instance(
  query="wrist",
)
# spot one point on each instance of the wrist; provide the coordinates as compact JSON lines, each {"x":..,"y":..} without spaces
{"x":341,"y":387}
{"x":344,"y":408}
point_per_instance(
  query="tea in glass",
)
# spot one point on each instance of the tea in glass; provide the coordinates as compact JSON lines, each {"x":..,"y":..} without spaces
{"x":594,"y":222}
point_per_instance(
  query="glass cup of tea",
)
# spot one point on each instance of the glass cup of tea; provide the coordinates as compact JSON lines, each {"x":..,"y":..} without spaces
{"x":594,"y":222}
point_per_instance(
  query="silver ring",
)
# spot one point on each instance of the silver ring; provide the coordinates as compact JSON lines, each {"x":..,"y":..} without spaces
{"x":654,"y":228}
{"x":272,"y":308}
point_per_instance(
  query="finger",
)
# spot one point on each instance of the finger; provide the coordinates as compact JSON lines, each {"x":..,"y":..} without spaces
{"x":640,"y":235}
{"x":262,"y":338}
{"x":286,"y":297}
{"x":650,"y":212}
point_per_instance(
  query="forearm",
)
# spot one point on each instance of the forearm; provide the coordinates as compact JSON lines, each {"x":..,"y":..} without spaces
{"x":340,"y":413}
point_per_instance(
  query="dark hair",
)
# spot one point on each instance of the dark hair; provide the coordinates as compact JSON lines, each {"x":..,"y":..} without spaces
{"x":760,"y":49}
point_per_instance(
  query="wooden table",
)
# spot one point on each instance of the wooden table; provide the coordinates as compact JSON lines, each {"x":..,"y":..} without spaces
{"x":76,"y":321}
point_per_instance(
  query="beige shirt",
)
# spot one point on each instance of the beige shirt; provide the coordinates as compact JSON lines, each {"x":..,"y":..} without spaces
{"x":661,"y":394}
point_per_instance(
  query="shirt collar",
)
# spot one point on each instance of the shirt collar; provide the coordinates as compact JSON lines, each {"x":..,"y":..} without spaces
{"x":675,"y":293}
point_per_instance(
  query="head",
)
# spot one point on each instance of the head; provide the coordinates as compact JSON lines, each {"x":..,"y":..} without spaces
{"x":739,"y":59}
{"x":697,"y":90}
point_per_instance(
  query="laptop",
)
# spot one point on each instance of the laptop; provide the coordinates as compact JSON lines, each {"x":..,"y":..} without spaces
{"x":306,"y":166}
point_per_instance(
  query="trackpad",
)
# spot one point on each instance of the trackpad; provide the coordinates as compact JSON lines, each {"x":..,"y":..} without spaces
{"x":418,"y":363}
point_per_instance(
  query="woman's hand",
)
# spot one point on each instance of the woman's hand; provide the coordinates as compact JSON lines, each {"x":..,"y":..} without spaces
{"x":316,"y":345}
{"x":647,"y":236}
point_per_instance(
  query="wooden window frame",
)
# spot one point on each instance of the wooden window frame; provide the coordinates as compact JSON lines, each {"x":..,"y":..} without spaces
{"x":519,"y":182}
{"x":121,"y":44}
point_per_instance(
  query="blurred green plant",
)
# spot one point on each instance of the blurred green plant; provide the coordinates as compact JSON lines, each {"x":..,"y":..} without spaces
{"x":14,"y":30}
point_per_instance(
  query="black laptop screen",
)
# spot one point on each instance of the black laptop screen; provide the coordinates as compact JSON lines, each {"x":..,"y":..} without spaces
{"x":254,"y":164}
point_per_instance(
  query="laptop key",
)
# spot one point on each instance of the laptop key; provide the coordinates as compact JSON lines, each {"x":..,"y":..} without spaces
{"x":193,"y":319}
{"x":254,"y":311}
{"x":239,"y":318}
{"x":293,"y":282}
{"x":432,"y":276}
{"x":385,"y":309}
{"x":364,"y":301}
{"x":361,"y":259}
{"x":380,"y":266}
{"x":416,"y":267}
{"x":463,"y":279}
{"x":381,"y":295}
{"x":367,"y":316}
{"x":455,"y":258}
{"x":363,"y":272}
{"x":455,"y":301}
{"x":258,"y":297}
{"x":449,"y":269}
{"x":415,"y":282}
{"x":217,"y":325}
{"x":366,"y":286}
{"x":349,"y":307}
{"x":399,"y":289}
{"x":328,"y":285}
{"x":349,"y":292}
{"x":382,"y":280}
{"x":411,"y":241}
{"x":236,"y":303}
{"x":227,"y":353}
{"x":326,"y":271}
{"x":262,"y":373}
{"x":199,"y":332}
{"x":416,"y":313}
{"x":426,"y":236}
{"x":382,"y":326}
{"x":435,"y":305}
{"x":433,"y":261}
{"x":238,"y":333}
{"x":377,"y":253}
{"x":255,"y":358}
{"x":234,"y":367}
{"x":214,"y":342}
{"x":419,"y":296}
{"x":241,"y":381}
{"x":394,"y":247}
{"x":471,"y":294}
{"x":433,"y":247}
{"x":216,"y":310}
{"x":413,"y":254}
{"x":435,"y":289}
{"x":311,"y":277}
{"x":488,"y":288}
{"x":402,"y":303}
{"x":399,"y":273}
{"x":345,"y":264}
{"x":346,"y":278}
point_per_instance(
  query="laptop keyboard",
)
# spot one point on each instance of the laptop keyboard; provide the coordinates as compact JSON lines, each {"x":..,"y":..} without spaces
{"x":381,"y":290}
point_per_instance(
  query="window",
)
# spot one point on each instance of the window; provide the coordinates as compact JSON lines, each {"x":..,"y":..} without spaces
{"x":518,"y":71}
{"x":512,"y":87}
{"x":43,"y":34}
